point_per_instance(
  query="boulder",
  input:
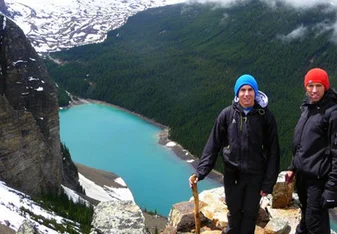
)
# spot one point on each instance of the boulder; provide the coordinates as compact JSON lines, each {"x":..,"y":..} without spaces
{"x":181,"y":216}
{"x":276,"y":226}
{"x":118,"y":217}
{"x":28,"y":227}
{"x":216,"y":208}
{"x":282,"y":193}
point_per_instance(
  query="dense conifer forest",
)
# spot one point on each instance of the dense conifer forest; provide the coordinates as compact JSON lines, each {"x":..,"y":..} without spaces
{"x":178,"y":64}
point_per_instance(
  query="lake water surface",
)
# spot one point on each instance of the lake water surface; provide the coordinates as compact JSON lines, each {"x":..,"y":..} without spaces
{"x":110,"y":139}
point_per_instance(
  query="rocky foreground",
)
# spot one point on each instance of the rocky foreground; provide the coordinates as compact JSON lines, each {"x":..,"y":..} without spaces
{"x":279,"y":213}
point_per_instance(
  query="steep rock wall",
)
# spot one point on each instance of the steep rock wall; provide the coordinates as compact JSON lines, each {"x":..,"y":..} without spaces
{"x":3,"y":7}
{"x":30,"y":155}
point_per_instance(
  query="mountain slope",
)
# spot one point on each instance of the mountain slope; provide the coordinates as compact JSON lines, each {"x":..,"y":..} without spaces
{"x":178,"y":64}
{"x":62,"y":24}
{"x":18,"y":208}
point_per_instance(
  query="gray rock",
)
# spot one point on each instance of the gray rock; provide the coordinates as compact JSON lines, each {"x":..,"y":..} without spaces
{"x":28,"y":227}
{"x":118,"y":217}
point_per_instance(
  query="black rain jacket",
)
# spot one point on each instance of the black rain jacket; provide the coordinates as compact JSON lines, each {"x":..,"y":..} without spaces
{"x":249,"y":144}
{"x":315,"y":141}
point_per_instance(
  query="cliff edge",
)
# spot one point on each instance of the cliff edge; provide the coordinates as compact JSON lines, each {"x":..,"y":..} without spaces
{"x":30,"y":151}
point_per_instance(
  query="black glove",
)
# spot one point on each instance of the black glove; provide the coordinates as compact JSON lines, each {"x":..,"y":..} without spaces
{"x":329,"y":199}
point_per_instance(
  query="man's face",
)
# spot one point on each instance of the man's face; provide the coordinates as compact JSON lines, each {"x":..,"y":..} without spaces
{"x":315,"y":91}
{"x":246,"y":96}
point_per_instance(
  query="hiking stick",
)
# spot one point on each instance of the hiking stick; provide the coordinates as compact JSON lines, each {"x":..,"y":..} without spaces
{"x":196,"y":205}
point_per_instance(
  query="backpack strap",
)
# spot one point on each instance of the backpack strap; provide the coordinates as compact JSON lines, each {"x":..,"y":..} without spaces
{"x":262,"y":115}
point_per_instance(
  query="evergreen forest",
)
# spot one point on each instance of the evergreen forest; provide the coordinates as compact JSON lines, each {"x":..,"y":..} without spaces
{"x":178,"y":64}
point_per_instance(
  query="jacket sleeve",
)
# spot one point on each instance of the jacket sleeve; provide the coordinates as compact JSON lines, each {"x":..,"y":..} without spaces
{"x":272,"y":147}
{"x":297,"y":136}
{"x":332,"y":131}
{"x":293,"y":150}
{"x":213,"y":146}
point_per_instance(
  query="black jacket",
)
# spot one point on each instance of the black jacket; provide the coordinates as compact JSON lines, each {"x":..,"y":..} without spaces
{"x":315,"y":141}
{"x":249,"y":144}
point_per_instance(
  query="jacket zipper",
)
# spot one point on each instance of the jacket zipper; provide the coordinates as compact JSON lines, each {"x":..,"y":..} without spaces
{"x":243,"y":119}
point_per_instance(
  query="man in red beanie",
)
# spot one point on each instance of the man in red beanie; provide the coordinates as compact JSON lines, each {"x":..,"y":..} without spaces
{"x":315,"y":154}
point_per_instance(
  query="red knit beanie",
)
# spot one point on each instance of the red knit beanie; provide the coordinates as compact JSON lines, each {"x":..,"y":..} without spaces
{"x":317,"y":75}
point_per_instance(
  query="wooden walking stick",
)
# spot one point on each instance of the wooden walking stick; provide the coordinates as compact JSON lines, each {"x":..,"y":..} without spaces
{"x":196,"y":205}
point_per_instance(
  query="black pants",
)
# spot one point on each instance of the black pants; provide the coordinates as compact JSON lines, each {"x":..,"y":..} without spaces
{"x":242,"y":197}
{"x":314,"y":219}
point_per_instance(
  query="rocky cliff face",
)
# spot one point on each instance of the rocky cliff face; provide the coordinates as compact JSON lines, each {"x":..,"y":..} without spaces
{"x":3,"y":7}
{"x":30,"y":153}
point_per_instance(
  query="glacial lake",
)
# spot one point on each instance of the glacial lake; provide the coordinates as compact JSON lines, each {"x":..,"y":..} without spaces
{"x":110,"y":139}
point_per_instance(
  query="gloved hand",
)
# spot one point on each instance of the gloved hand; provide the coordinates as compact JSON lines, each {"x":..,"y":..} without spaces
{"x":329,"y":199}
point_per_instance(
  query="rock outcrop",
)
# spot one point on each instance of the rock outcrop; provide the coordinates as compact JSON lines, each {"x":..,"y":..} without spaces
{"x":28,"y":227}
{"x":118,"y":217}
{"x":279,"y":213}
{"x":30,"y":152}
{"x":3,"y":7}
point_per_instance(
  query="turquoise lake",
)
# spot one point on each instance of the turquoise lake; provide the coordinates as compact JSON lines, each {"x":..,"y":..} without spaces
{"x":110,"y":139}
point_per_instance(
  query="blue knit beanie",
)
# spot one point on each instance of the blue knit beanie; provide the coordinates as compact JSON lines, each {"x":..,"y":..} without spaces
{"x":245,"y":80}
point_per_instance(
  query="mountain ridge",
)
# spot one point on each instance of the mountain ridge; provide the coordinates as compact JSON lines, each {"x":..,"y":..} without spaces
{"x":59,"y":25}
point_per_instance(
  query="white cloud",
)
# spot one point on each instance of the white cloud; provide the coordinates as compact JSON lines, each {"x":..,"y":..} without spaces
{"x":300,"y":32}
{"x":292,"y":3}
{"x":301,"y":3}
{"x":222,"y":3}
{"x":296,"y":34}
{"x":324,"y":27}
{"x":334,"y":34}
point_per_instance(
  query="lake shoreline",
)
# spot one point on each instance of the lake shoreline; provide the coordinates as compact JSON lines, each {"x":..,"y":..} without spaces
{"x":163,"y":136}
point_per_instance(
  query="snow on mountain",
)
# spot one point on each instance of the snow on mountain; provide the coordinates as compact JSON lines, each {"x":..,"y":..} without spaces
{"x":15,"y":204}
{"x":53,"y":25}
{"x":106,"y":193}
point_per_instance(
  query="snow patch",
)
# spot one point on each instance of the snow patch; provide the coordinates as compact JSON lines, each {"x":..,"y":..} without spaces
{"x":120,"y":181}
{"x":171,"y":144}
{"x":104,"y":194}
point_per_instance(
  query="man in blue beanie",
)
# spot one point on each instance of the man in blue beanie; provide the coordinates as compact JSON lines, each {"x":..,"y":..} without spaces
{"x":246,"y":134}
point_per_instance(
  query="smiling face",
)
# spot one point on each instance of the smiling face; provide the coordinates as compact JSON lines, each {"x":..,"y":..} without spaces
{"x":315,"y":91}
{"x":246,"y":96}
